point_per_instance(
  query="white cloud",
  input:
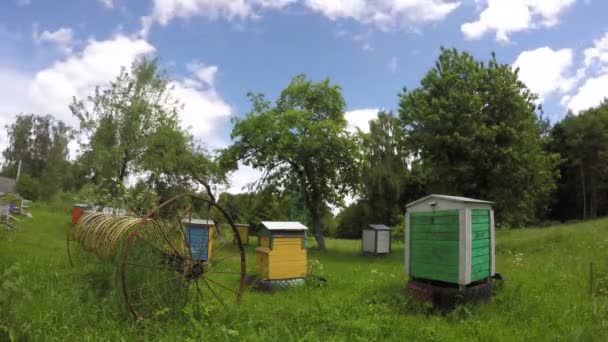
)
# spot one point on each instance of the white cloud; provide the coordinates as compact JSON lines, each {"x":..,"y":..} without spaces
{"x":598,"y":54}
{"x":590,"y":94}
{"x":166,"y":10}
{"x":359,"y":118}
{"x":507,"y":16}
{"x":544,"y":70}
{"x":243,"y":178}
{"x":204,"y":73}
{"x":108,"y":3}
{"x":203,"y":111}
{"x":79,"y":73}
{"x":61,"y":36}
{"x":385,"y":14}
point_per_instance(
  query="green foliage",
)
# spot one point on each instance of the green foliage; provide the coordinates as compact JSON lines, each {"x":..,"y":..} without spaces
{"x":121,"y":118}
{"x":13,"y":295}
{"x":41,"y":144}
{"x":352,"y":220}
{"x":582,"y":141}
{"x":476,"y":131}
{"x":29,"y":187}
{"x":300,"y":142}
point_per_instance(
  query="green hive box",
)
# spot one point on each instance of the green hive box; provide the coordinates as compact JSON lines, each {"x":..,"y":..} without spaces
{"x":449,"y":239}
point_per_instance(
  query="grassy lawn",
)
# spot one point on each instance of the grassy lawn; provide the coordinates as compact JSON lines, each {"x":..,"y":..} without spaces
{"x":545,"y":295}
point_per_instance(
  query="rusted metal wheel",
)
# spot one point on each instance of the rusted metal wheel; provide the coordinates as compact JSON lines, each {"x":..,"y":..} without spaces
{"x":172,"y":262}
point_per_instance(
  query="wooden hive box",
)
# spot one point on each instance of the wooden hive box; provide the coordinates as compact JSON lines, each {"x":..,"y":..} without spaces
{"x":281,"y":253}
{"x":376,"y":239}
{"x":243,"y":231}
{"x":199,"y":237}
{"x":449,"y":239}
{"x":77,"y":211}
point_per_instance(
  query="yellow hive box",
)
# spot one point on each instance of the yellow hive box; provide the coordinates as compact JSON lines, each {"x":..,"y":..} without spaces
{"x":243,"y":230}
{"x":281,"y":253}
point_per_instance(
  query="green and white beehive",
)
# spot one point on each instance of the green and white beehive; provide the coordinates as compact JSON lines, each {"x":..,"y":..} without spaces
{"x":449,"y":239}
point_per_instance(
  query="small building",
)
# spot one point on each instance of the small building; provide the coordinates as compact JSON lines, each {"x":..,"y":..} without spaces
{"x":243,"y":231}
{"x":449,"y":239}
{"x":281,"y":253}
{"x":8,"y":186}
{"x":376,"y":239}
{"x":199,"y":237}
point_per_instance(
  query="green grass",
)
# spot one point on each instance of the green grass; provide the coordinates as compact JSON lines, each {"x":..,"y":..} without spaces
{"x":545,"y":295}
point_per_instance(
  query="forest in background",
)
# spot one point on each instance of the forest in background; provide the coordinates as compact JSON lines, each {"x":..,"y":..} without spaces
{"x":471,"y":128}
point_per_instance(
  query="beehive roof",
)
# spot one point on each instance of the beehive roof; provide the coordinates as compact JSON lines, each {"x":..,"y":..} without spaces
{"x":199,"y":222}
{"x":379,"y":227}
{"x":448,"y":198}
{"x":241,"y":224}
{"x":283,"y":225}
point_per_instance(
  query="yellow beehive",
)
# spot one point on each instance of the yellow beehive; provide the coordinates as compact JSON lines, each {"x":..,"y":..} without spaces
{"x":243,"y":231}
{"x":281,"y":253}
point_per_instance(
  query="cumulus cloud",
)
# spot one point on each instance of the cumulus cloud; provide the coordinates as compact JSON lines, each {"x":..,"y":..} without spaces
{"x":545,"y":70}
{"x":383,"y":14}
{"x":360,"y":118}
{"x":508,"y":16}
{"x":243,"y":178}
{"x":590,"y":94}
{"x":598,"y":54}
{"x":52,"y":88}
{"x":204,"y":73}
{"x":61,"y":36}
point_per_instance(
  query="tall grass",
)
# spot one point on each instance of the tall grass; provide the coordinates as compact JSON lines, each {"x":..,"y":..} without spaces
{"x":545,"y":295}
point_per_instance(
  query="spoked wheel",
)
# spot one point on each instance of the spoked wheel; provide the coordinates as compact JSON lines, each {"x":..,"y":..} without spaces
{"x":174,"y":261}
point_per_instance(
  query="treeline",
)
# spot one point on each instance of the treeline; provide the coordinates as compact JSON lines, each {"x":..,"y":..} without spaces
{"x":471,"y":128}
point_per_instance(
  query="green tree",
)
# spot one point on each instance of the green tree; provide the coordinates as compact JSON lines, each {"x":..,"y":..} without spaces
{"x":301,"y":142}
{"x":388,"y":182}
{"x":119,"y":119}
{"x":582,"y":141}
{"x":475,"y":127}
{"x":41,"y":144}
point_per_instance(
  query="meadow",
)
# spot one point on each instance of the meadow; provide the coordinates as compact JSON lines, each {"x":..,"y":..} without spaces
{"x":546,"y":294}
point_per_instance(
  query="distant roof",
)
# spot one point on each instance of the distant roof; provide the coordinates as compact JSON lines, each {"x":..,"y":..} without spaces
{"x":8,"y":185}
{"x":241,"y":224}
{"x":379,"y":227}
{"x":199,"y":222}
{"x":448,"y":198}
{"x":283,"y":225}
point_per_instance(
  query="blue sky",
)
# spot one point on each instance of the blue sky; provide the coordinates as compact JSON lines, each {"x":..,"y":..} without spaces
{"x":218,"y":50}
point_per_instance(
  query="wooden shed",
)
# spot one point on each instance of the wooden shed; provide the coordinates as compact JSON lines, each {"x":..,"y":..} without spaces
{"x":449,"y":239}
{"x":243,"y":231}
{"x":281,"y":253}
{"x":376,"y":239}
{"x":199,"y":237}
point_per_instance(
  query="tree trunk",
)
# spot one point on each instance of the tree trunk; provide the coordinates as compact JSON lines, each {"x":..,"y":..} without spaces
{"x":584,"y":193}
{"x":318,"y":228}
{"x":123,"y":167}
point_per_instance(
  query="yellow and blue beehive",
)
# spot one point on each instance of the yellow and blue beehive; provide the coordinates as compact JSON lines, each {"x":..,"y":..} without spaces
{"x":281,"y":253}
{"x":199,"y":238}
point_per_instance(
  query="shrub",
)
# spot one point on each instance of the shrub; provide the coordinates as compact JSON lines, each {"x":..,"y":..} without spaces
{"x":29,"y":187}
